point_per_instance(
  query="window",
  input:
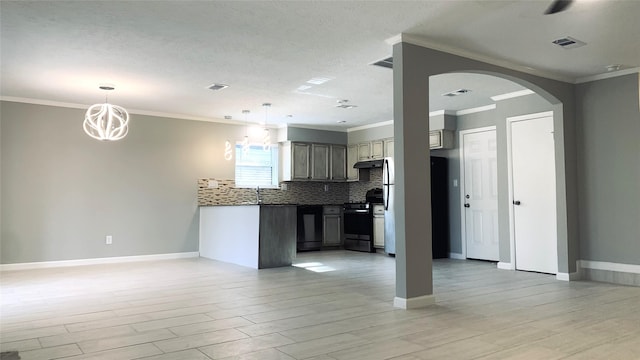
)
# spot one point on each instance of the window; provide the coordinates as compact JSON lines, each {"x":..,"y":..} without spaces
{"x":256,"y":167}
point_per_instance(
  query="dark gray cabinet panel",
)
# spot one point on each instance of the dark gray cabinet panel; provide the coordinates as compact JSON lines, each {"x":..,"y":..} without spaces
{"x":277,"y":236}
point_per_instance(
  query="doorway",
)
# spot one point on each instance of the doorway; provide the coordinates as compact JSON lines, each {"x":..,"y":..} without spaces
{"x":532,"y":192}
{"x":479,"y":193}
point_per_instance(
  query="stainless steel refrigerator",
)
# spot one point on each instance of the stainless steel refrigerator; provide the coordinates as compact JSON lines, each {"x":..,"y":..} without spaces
{"x":388,"y":189}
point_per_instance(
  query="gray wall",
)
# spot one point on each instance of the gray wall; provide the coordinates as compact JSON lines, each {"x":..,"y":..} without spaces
{"x":63,"y":191}
{"x":312,"y":135}
{"x":374,"y":133}
{"x":609,"y":170}
{"x":507,"y":108}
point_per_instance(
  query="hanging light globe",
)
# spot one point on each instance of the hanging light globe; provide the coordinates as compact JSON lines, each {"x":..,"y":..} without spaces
{"x":106,"y":122}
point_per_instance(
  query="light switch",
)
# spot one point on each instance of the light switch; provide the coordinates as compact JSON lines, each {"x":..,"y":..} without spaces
{"x":455,"y":182}
{"x":213,"y":184}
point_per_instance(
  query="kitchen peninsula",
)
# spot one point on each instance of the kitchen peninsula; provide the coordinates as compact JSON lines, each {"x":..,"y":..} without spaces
{"x":256,"y":236}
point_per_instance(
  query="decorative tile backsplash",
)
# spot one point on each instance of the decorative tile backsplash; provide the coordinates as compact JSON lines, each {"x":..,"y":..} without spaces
{"x":298,"y":192}
{"x":303,"y":193}
{"x":358,"y":190}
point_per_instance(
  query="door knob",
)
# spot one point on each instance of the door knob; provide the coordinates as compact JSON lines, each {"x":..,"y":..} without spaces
{"x":516,"y":202}
{"x":467,"y":205}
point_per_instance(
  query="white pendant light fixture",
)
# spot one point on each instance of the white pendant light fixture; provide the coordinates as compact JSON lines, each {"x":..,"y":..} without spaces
{"x":266,"y":138}
{"x":106,"y":122}
{"x":245,"y":141}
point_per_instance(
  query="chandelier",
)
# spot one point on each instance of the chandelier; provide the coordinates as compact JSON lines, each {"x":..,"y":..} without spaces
{"x":106,"y":122}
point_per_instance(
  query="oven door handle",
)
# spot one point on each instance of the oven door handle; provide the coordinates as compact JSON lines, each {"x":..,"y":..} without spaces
{"x":356,"y":211}
{"x":386,"y":184}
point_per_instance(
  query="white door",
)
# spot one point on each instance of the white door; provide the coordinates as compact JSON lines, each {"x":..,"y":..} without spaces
{"x":480,"y":193}
{"x":533,"y":193}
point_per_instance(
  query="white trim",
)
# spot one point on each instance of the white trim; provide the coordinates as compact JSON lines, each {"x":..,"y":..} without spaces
{"x":506,"y":266}
{"x":530,"y":116}
{"x":463,"y":224}
{"x":419,"y":41}
{"x":475,"y":109}
{"x":607,"y":75}
{"x":568,"y":276}
{"x":457,"y":256}
{"x":512,"y":95}
{"x":436,"y":113}
{"x":609,"y":266}
{"x":131,"y":111}
{"x":370,"y":126}
{"x":96,"y":261}
{"x":414,"y":303}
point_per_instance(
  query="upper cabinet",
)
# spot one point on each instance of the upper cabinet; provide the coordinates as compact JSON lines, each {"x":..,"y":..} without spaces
{"x":372,"y":150}
{"x":320,"y":162}
{"x":441,"y":139}
{"x":352,"y":159}
{"x":338,"y":163}
{"x":388,"y":147}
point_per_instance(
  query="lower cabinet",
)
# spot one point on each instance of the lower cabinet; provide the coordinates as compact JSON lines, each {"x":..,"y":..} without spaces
{"x":378,"y":226}
{"x":332,"y":226}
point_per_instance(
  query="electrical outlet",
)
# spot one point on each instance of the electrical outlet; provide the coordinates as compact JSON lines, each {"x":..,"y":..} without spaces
{"x":109,"y":240}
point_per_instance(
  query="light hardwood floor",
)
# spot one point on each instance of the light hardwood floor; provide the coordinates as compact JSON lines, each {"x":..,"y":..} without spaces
{"x":192,"y":309}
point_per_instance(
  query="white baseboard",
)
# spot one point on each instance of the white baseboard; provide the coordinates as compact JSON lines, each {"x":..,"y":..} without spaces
{"x":568,"y":276}
{"x":505,"y":266}
{"x":457,"y":256}
{"x":609,"y":266}
{"x":96,"y":261}
{"x":414,"y":303}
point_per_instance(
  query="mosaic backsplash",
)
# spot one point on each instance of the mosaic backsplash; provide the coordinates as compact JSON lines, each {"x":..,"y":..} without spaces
{"x":358,"y":190}
{"x":303,"y":193}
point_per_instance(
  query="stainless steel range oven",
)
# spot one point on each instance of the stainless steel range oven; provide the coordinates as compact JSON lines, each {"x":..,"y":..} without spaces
{"x":358,"y":222}
{"x":358,"y":227}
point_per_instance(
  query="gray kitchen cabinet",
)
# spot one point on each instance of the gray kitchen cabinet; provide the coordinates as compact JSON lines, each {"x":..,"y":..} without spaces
{"x":312,"y":162}
{"x":378,"y":226}
{"x":332,"y":226}
{"x":338,"y":162}
{"x":377,"y":149}
{"x":441,"y":139}
{"x":388,"y":147}
{"x":364,"y":151}
{"x":300,"y":164}
{"x":319,"y":162}
{"x":352,"y":159}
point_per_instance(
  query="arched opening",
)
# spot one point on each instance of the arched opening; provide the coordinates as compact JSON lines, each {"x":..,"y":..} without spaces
{"x":414,"y":66}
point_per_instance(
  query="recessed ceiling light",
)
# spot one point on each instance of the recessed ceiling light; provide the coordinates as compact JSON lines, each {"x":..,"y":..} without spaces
{"x":341,"y":121}
{"x":318,"y":80}
{"x":304,"y":87}
{"x":457,"y":92}
{"x":216,"y":87}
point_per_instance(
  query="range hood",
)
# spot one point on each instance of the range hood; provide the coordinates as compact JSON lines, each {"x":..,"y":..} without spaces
{"x":369,"y":164}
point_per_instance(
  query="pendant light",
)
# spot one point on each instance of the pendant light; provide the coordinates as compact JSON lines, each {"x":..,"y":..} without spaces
{"x":266,"y":138}
{"x":245,"y":141}
{"x":106,"y":122}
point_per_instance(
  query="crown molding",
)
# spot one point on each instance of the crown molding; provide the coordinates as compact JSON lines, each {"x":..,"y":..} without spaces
{"x":607,"y":75}
{"x":370,"y":126}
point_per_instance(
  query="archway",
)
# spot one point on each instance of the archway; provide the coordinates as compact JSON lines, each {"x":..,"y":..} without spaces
{"x":413,"y":66}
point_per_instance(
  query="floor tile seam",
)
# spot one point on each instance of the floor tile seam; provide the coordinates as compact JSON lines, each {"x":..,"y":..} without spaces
{"x":174,"y":317}
{"x":152,"y":342}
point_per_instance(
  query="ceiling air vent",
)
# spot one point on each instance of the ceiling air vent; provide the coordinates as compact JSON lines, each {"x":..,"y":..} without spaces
{"x":569,"y":43}
{"x":456,"y":92}
{"x":387,"y":63}
{"x":216,"y":87}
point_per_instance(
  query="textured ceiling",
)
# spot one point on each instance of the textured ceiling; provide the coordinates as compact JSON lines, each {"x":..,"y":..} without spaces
{"x":162,"y":56}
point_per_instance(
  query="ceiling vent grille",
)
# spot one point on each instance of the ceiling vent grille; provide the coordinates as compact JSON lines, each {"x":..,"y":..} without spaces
{"x":569,"y":43}
{"x":386,"y":63}
{"x":216,"y":87}
{"x":456,"y":92}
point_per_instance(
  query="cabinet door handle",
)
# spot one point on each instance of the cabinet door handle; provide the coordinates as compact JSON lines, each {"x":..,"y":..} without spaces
{"x":467,"y":205}
{"x":516,"y":202}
